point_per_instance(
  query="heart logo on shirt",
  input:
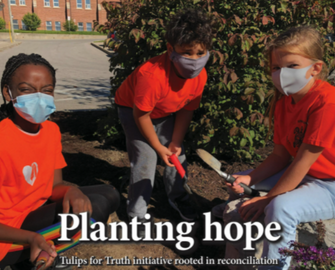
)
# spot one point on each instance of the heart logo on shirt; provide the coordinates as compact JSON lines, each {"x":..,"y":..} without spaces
{"x":30,"y":173}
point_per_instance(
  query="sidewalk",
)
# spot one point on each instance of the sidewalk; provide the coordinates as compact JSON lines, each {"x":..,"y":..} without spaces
{"x":99,"y":45}
{"x":7,"y":44}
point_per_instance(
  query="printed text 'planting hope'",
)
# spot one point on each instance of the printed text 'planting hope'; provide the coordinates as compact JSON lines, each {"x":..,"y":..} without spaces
{"x":181,"y":234}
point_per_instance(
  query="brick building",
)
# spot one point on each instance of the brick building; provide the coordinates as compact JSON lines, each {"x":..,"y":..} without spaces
{"x":53,"y":13}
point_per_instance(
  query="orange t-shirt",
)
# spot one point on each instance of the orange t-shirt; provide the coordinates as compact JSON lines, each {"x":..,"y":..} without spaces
{"x":310,"y":121}
{"x":154,"y":86}
{"x":27,"y":165}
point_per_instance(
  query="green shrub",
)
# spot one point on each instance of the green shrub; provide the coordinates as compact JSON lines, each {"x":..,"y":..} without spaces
{"x":2,"y":23}
{"x":70,"y":26}
{"x":231,"y":119}
{"x":31,"y":21}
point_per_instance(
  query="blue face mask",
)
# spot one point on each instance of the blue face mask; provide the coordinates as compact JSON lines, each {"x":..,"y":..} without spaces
{"x":35,"y":108}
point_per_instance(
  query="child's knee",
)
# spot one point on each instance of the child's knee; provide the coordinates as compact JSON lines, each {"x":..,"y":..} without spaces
{"x":280,"y":210}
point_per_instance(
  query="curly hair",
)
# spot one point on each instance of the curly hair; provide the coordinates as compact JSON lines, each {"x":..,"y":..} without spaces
{"x":190,"y":26}
{"x":12,"y":65}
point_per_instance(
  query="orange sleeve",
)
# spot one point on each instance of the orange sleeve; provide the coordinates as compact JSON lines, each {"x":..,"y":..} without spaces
{"x":147,"y":92}
{"x":194,"y":104}
{"x":59,"y":161}
{"x":320,"y":129}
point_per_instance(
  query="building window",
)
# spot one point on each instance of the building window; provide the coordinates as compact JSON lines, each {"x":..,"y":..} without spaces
{"x":80,"y":26}
{"x":57,"y":26}
{"x":88,"y":4}
{"x":56,"y":3}
{"x":88,"y":26}
{"x":13,"y":2}
{"x":49,"y":26}
{"x":79,"y":4}
{"x":47,"y":3}
{"x":24,"y":27}
{"x":15,"y":24}
{"x":22,"y":2}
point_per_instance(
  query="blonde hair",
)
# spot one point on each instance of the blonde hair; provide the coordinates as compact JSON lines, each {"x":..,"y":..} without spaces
{"x":303,"y":40}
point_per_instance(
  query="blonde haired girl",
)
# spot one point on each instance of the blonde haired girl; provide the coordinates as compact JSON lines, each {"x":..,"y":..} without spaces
{"x":302,"y":189}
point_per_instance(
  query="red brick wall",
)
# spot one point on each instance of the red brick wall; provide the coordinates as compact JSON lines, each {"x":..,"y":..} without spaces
{"x":102,"y":13}
{"x":18,"y":11}
{"x":83,"y":14}
{"x":50,"y":13}
{"x":58,"y":14}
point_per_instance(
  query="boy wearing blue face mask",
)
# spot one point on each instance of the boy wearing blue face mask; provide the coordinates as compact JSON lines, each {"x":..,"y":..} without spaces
{"x":156,"y":104}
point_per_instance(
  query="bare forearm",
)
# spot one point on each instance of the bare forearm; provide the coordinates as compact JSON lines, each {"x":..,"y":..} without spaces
{"x":59,"y":191}
{"x":290,"y":179}
{"x":144,"y":124}
{"x":270,"y":166}
{"x":10,"y":234}
{"x":298,"y":169}
{"x":182,"y":122}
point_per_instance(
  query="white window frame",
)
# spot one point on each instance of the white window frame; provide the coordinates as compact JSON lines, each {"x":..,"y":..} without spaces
{"x":47,"y":3}
{"x":16,"y":25}
{"x":46,"y":24}
{"x":22,"y":2}
{"x":88,"y":5}
{"x":13,"y":2}
{"x":56,"y":3}
{"x":90,"y":27}
{"x":24,"y":27}
{"x":79,"y":3}
{"x":81,"y":26}
{"x":60,"y":26}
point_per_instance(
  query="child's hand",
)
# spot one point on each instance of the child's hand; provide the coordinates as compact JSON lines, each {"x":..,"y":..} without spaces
{"x":164,"y":154}
{"x":245,"y":179}
{"x":37,"y":244}
{"x":254,"y":208}
{"x":174,"y":148}
{"x":77,"y":200}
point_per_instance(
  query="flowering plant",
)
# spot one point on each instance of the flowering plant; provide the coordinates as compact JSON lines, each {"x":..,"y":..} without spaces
{"x":311,"y":257}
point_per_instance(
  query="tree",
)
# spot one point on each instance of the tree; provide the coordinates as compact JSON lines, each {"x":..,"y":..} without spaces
{"x":232,"y":118}
{"x":2,"y":23}
{"x":31,"y":21}
{"x":70,"y":26}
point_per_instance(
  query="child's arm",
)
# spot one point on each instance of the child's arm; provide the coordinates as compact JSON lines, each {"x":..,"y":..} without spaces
{"x":275,"y":162}
{"x":306,"y":156}
{"x":35,"y":240}
{"x":182,"y":122}
{"x":144,"y":124}
{"x":71,"y":196}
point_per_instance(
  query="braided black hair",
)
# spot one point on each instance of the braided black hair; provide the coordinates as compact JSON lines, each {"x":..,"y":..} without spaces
{"x":190,"y":26}
{"x":12,"y":65}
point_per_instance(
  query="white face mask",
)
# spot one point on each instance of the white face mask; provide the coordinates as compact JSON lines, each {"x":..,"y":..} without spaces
{"x":289,"y":81}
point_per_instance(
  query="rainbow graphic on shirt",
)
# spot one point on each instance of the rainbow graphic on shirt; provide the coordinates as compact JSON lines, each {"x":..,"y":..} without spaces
{"x":50,"y":233}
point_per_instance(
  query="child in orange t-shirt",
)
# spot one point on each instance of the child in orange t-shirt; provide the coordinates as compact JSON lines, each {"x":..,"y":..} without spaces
{"x":155,"y":106}
{"x":32,"y":192}
{"x":302,"y":190}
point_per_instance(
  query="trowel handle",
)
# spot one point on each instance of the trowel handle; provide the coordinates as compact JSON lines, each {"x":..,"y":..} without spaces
{"x":247,"y":190}
{"x":175,"y":161}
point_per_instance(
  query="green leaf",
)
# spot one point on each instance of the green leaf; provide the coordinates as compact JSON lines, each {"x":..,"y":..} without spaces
{"x":243,"y":142}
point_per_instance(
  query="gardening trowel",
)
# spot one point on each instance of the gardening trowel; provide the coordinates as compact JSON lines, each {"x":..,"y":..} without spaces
{"x":181,"y":171}
{"x":216,"y":165}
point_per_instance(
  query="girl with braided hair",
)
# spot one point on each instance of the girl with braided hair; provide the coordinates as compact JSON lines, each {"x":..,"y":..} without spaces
{"x":32,"y":192}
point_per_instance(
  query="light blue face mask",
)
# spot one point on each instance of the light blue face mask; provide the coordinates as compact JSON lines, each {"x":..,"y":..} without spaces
{"x":35,"y":108}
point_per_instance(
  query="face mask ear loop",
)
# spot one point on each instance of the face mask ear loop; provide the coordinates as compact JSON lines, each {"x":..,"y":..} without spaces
{"x":10,"y":95}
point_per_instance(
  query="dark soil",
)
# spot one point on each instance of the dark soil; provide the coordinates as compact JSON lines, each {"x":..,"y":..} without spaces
{"x":90,"y":162}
